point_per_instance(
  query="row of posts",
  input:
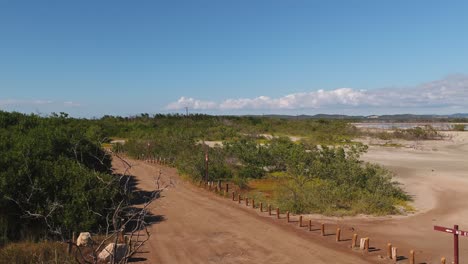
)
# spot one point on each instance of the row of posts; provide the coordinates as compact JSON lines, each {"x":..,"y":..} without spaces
{"x":392,"y":252}
{"x":155,"y":160}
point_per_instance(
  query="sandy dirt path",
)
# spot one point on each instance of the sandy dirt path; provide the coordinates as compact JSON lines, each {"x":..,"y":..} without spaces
{"x":201,"y":227}
{"x":435,"y":173}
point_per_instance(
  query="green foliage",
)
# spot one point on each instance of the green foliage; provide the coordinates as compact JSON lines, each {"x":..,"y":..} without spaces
{"x":459,"y":127}
{"x":333,"y":181}
{"x":417,"y":133}
{"x":54,"y":176}
{"x":323,"y":179}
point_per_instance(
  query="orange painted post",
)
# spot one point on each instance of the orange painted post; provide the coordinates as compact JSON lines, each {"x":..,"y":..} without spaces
{"x":300,"y":221}
{"x":310,"y":225}
{"x":366,"y":244}
{"x":269,"y":209}
{"x":277,"y":213}
{"x":322,"y":230}
{"x":389,"y":250}
{"x":354,"y":241}
{"x":261,"y":207}
{"x":338,"y":235}
{"x":239,"y":198}
{"x":287,"y":215}
{"x":411,"y":257}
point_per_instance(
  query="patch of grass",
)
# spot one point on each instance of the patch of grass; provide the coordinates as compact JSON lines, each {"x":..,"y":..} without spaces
{"x":265,"y":186}
{"x":389,"y":144}
{"x":29,"y":252}
{"x":405,"y":206}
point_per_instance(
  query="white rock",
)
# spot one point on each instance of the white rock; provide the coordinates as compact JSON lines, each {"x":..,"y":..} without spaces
{"x":108,"y":251}
{"x":84,"y":239}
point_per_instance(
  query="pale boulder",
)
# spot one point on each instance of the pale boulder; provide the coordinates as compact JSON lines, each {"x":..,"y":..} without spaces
{"x":84,"y":239}
{"x":108,"y":251}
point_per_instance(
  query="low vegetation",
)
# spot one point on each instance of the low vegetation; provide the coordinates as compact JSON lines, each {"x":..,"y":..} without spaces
{"x":56,"y":178}
{"x":321,"y":173}
{"x":417,"y":133}
{"x":459,"y":127}
{"x":46,"y":252}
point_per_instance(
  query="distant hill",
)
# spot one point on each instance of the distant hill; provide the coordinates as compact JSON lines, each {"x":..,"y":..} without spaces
{"x":460,"y":115}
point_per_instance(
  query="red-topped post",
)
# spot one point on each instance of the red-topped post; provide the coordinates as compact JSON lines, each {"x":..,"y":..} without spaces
{"x":456,"y":233}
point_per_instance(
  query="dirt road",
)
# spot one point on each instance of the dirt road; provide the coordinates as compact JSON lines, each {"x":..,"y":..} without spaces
{"x":201,"y":227}
{"x":435,"y":173}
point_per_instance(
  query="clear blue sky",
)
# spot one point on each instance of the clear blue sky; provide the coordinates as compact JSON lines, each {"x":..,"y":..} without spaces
{"x":90,"y":58}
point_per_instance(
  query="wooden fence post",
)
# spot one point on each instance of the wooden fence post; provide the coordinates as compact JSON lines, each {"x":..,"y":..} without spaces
{"x":389,"y":250}
{"x":287,"y":215}
{"x":366,"y":244}
{"x":310,"y":225}
{"x":322,"y":230}
{"x":411,"y":257}
{"x":300,"y":221}
{"x":442,"y":261}
{"x":277,"y":213}
{"x":338,"y":235}
{"x":261,"y":207}
{"x":269,"y":209}
{"x":394,"y":253}
{"x":233,"y":198}
{"x":247,"y":201}
{"x":354,"y":241}
{"x":239,"y":198}
{"x":227,"y":187}
{"x":253,"y":203}
{"x":70,"y":245}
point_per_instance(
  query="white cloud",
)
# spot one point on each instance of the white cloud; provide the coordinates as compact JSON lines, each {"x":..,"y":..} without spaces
{"x":71,"y":104}
{"x":20,"y":104}
{"x":15,"y":102}
{"x":192,"y":104}
{"x":449,"y":92}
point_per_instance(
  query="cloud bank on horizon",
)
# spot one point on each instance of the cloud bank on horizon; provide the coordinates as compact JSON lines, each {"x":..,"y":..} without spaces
{"x":36,"y":102}
{"x":450,"y":92}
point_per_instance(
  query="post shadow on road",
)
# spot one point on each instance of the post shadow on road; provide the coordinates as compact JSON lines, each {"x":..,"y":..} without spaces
{"x":373,"y":249}
{"x":137,"y":198}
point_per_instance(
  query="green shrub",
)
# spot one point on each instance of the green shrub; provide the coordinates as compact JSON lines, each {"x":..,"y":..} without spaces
{"x":459,"y":127}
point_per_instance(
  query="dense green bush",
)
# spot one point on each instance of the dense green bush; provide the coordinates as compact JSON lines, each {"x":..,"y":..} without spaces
{"x":55,"y":178}
{"x":333,"y":181}
{"x":459,"y":127}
